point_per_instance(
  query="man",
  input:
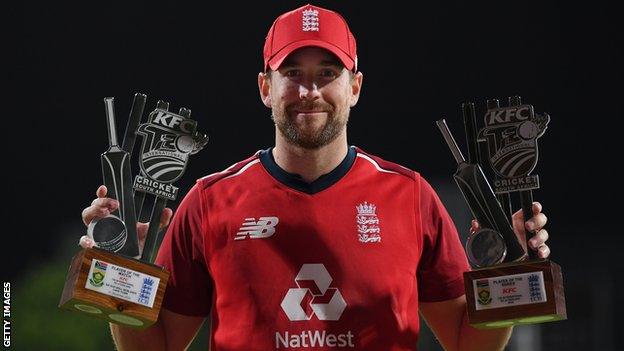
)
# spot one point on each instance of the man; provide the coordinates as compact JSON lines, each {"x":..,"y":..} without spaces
{"x":312,"y":244}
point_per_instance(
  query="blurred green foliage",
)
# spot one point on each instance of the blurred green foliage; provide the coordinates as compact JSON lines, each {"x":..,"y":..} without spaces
{"x":38,"y":324}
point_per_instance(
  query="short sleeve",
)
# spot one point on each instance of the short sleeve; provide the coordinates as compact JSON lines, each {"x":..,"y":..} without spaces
{"x":189,"y":289}
{"x":443,"y":260}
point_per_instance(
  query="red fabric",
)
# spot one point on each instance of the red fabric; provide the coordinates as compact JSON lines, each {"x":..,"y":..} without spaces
{"x":309,"y":26}
{"x":419,"y":257}
{"x":189,"y":288}
{"x":440,"y":245}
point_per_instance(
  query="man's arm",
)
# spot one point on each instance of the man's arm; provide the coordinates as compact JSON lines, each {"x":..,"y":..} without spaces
{"x":449,"y":319}
{"x":172,"y":331}
{"x":449,"y":322}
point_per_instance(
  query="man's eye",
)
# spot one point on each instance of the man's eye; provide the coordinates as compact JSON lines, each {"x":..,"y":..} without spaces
{"x":293,"y":73}
{"x":328,"y":73}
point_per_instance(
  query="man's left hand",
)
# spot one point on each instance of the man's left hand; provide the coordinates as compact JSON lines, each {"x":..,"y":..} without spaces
{"x":535,"y":225}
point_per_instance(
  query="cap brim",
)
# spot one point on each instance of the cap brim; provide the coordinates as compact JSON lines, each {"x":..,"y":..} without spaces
{"x":277,"y":60}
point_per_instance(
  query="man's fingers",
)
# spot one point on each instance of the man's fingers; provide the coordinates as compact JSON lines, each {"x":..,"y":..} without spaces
{"x":101,"y":191}
{"x":142,"y":230}
{"x":543,"y":251}
{"x":111,"y":204}
{"x":86,"y":242}
{"x":539,"y":239}
{"x":143,"y":227}
{"x":536,"y":223}
{"x":537,"y":207}
{"x":164,"y":220}
{"x":474,"y":226}
{"x":90,"y":213}
{"x":100,"y":208}
{"x":165,"y":217}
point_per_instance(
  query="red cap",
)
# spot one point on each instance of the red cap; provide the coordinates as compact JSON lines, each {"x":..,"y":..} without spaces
{"x":309,"y":25}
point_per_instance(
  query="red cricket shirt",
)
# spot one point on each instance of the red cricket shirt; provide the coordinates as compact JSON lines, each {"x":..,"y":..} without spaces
{"x":340,"y":263}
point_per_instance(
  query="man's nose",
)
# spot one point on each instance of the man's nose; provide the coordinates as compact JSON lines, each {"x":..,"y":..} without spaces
{"x":309,"y":91}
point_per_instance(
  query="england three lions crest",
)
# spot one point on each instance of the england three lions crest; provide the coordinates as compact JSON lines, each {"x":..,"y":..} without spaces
{"x":368,"y":223}
{"x":511,"y":134}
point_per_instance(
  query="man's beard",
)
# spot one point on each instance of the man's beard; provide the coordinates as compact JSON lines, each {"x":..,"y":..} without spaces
{"x":334,"y":124}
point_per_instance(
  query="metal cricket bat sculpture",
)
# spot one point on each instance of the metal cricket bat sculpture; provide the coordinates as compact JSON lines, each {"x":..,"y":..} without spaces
{"x":495,"y":241}
{"x":116,"y":232}
{"x":507,"y":286}
{"x":109,"y":281}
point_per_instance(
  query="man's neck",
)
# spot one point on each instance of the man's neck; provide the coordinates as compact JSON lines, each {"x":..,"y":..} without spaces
{"x":310,"y":164}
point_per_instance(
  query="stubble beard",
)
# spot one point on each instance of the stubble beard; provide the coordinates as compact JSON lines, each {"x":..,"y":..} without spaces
{"x":335,"y":123}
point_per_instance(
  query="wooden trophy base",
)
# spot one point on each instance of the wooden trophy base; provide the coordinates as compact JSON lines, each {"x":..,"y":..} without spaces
{"x":115,"y":288}
{"x":516,"y":293}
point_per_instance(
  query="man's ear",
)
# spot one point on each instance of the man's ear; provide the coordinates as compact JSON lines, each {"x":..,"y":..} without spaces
{"x":356,"y":87}
{"x":264,"y":88}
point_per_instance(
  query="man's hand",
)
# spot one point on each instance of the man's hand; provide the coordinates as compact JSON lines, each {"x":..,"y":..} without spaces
{"x":535,"y":225}
{"x":102,"y":206}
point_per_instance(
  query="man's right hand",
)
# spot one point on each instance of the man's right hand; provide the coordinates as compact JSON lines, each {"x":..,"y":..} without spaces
{"x":172,"y":331}
{"x":102,"y":206}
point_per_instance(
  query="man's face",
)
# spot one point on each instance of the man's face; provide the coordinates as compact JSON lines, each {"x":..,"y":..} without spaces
{"x":310,"y":96}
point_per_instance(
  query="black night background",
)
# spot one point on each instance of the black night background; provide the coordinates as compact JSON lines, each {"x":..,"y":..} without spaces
{"x":419,"y":64}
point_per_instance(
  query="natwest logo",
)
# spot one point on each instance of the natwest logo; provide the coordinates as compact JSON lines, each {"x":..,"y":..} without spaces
{"x":309,"y":338}
{"x":313,"y":296}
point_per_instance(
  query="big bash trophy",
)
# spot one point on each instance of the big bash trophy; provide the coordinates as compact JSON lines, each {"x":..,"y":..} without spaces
{"x":115,"y":280}
{"x":508,"y":285}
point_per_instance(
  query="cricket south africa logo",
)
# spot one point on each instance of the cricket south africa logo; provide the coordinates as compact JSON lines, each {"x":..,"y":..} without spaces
{"x":367,"y":223}
{"x":313,"y":296}
{"x":310,"y":20}
{"x":98,"y":274}
{"x":167,"y":144}
{"x":252,"y":229}
{"x":483,"y":292}
{"x":511,"y":134}
{"x":168,"y":140}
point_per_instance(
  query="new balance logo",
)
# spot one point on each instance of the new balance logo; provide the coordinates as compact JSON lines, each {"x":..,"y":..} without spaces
{"x":263,"y":228}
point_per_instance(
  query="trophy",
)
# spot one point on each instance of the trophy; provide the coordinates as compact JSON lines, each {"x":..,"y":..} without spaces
{"x":507,"y":285}
{"x":115,"y":280}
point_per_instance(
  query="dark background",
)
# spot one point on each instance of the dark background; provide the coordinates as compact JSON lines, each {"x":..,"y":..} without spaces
{"x":419,"y":65}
